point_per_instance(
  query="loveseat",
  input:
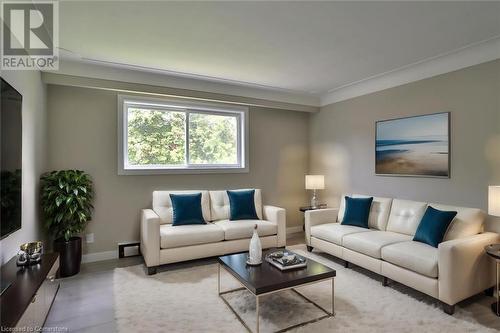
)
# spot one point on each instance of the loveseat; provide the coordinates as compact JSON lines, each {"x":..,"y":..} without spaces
{"x":457,"y":269}
{"x":163,"y":243}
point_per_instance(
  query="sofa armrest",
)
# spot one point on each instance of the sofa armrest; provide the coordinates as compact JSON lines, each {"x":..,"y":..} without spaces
{"x":318,"y":216}
{"x":277,"y":215}
{"x":150,"y":237}
{"x":464,"y":267}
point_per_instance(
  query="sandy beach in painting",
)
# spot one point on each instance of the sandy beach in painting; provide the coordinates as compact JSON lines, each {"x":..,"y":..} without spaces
{"x":413,"y":163}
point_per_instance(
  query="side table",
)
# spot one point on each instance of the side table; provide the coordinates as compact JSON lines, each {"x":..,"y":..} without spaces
{"x":304,"y":209}
{"x":493,"y":251}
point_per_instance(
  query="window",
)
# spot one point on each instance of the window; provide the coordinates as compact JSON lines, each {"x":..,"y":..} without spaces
{"x":174,"y":136}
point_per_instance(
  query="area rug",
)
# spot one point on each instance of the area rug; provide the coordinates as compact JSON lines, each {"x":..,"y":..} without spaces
{"x":184,"y":299}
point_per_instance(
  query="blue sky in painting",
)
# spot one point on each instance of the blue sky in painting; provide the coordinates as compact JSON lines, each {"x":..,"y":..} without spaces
{"x":430,"y":127}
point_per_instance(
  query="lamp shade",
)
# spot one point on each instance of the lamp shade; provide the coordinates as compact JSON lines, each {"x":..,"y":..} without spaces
{"x":494,"y":200}
{"x":315,"y":182}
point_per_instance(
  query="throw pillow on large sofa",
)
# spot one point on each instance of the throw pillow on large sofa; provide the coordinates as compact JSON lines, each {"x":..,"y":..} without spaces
{"x":186,"y":209}
{"x":433,"y":226}
{"x":242,"y":205}
{"x":357,"y":211}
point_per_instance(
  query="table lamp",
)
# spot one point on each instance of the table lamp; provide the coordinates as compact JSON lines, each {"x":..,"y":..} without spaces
{"x":315,"y":182}
{"x":494,"y":200}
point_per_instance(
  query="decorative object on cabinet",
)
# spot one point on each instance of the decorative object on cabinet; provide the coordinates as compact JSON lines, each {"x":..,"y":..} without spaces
{"x":30,"y":253}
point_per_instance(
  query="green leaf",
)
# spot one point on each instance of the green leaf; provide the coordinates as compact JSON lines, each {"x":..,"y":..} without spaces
{"x":59,"y":217}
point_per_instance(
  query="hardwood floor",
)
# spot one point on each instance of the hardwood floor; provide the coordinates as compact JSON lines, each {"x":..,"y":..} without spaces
{"x":84,"y":302}
{"x":295,"y":239}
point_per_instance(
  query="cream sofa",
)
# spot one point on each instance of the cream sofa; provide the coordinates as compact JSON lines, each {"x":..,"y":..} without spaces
{"x":456,"y":270}
{"x":162,"y":243}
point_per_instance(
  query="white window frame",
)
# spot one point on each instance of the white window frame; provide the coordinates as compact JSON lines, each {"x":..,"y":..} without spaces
{"x":187,"y":106}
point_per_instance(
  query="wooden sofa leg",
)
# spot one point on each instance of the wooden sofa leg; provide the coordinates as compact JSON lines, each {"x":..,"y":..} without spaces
{"x":448,"y":309}
{"x":489,"y":291}
{"x":385,"y":281}
{"x":152,"y":270}
{"x":309,"y":248}
{"x":346,"y":264}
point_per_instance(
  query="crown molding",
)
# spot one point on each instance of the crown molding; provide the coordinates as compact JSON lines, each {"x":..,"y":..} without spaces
{"x":467,"y":56}
{"x":141,"y":89}
{"x":470,"y":55}
{"x":73,"y":65}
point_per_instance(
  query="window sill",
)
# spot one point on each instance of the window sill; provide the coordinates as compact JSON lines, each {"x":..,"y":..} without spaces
{"x":181,"y":171}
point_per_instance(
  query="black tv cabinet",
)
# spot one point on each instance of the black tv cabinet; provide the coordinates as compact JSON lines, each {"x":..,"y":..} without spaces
{"x":27,"y":301}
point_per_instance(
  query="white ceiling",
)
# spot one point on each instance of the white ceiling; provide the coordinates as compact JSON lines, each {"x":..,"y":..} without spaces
{"x":303,"y":47}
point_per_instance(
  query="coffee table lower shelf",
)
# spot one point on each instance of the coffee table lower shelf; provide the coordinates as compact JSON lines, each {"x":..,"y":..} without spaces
{"x":327,"y":313}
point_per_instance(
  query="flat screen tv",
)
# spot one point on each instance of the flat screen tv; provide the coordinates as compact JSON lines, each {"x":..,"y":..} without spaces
{"x":10,"y":159}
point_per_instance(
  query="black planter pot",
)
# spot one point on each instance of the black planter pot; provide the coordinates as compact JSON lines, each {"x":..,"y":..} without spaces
{"x":70,"y":255}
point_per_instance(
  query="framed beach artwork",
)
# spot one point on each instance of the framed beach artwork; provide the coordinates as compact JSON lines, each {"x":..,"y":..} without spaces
{"x":413,"y":146}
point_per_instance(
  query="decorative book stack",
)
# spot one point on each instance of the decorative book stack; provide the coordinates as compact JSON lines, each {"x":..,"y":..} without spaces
{"x":285,"y":260}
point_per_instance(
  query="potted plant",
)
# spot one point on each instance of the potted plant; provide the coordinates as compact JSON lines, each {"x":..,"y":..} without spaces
{"x":66,"y":199}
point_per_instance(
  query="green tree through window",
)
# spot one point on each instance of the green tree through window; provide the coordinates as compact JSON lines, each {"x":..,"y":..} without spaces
{"x":212,"y":139}
{"x":158,"y":137}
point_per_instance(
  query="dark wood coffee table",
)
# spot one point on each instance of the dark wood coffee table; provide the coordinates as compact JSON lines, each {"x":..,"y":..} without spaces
{"x":266,"y":279}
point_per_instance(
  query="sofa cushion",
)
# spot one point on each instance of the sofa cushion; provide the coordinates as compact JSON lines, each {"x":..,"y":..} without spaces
{"x":433,"y":226}
{"x":379,"y":211}
{"x":334,"y":232}
{"x":185,"y":235}
{"x":186,"y":209}
{"x":162,"y":204}
{"x":242,"y":205}
{"x":372,"y":242}
{"x":468,"y":222}
{"x":219,"y":205}
{"x":415,"y":256}
{"x":244,"y":228}
{"x":405,"y":216}
{"x":340,"y":214}
{"x":357,"y":211}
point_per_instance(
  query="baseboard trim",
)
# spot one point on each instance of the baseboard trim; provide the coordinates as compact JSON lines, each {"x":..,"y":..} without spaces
{"x":99,"y":256}
{"x":292,"y":230}
{"x":108,"y":255}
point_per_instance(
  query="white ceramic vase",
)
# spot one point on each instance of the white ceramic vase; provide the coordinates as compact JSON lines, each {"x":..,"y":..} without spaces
{"x":255,"y":250}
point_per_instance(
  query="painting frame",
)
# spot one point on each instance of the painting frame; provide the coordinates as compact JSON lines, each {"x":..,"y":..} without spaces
{"x":448,"y":160}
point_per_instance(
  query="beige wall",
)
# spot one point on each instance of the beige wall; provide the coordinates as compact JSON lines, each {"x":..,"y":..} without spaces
{"x":342,"y":138}
{"x":30,"y":85}
{"x":82,"y":125}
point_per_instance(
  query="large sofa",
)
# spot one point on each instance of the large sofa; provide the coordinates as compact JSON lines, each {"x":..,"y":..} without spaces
{"x":456,"y":270}
{"x":162,"y":243}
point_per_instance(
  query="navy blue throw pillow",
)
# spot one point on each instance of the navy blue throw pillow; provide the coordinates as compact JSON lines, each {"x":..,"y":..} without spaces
{"x":242,"y":205}
{"x":187,"y":209}
{"x":433,"y":226}
{"x":357,"y":211}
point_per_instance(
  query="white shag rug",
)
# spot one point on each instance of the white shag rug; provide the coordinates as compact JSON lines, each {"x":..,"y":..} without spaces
{"x":184,"y":299}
